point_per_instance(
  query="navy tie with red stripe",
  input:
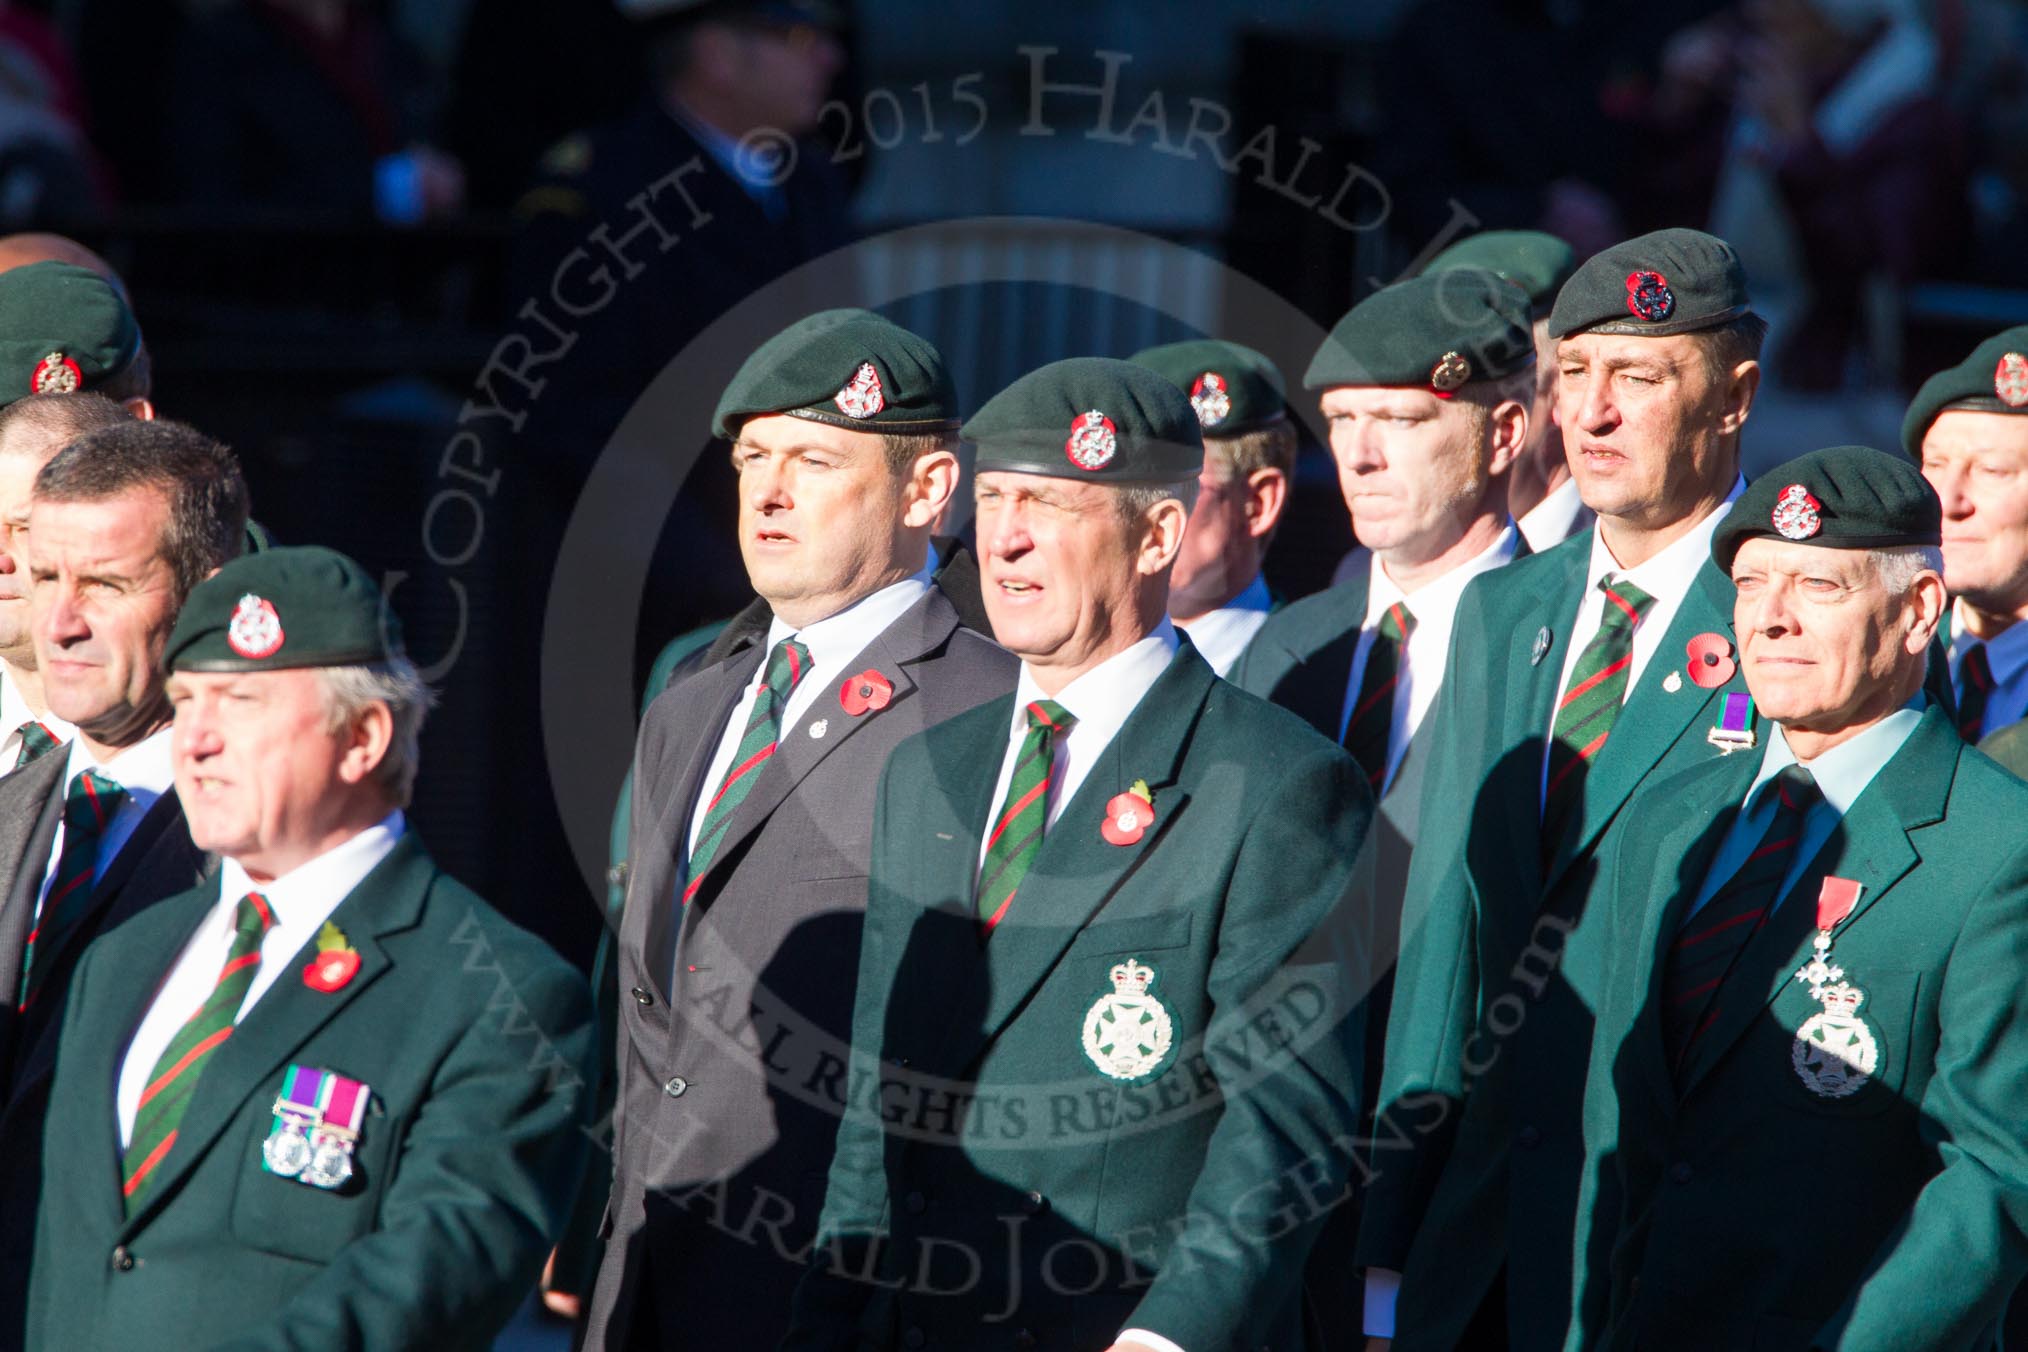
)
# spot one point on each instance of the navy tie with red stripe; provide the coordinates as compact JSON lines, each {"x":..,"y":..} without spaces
{"x":1590,"y":707}
{"x":1712,"y":939}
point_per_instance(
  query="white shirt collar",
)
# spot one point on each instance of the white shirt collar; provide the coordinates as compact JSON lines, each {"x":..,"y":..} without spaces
{"x":1554,"y":519}
{"x":320,"y":882}
{"x":1102,"y":699}
{"x":14,"y":711}
{"x":1670,"y":572}
{"x":2006,"y":651}
{"x":1221,"y":635}
{"x":1843,"y":772}
{"x":838,"y":637}
{"x":1437,"y":599}
{"x":144,"y":769}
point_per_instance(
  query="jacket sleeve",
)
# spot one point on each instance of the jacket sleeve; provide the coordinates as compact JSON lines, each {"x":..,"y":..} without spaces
{"x":479,"y":1190}
{"x":1283,"y":1148}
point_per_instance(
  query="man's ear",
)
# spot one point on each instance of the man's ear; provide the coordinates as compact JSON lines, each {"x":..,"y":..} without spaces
{"x":1740,"y":387}
{"x":370,"y":735}
{"x":932,"y":482}
{"x":142,"y":409}
{"x":1507,"y":435}
{"x":1267,"y":496}
{"x":1163,"y":535}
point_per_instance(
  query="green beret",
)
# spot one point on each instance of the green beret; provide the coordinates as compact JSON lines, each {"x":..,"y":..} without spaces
{"x":1538,"y":263}
{"x":849,"y":368}
{"x":1994,"y":379}
{"x":63,"y":328}
{"x":1438,"y":332}
{"x":1672,"y":281}
{"x":301,"y":606}
{"x":1847,"y":497}
{"x":1091,"y":418}
{"x":1234,"y":389}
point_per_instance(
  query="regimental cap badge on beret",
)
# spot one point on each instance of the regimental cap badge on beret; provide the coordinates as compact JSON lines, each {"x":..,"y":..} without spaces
{"x":56,"y":374}
{"x":1093,"y":441}
{"x":861,"y":396}
{"x":255,"y":630}
{"x":1210,"y":398}
{"x":1649,"y":296}
{"x":1450,"y":374}
{"x":2010,"y":380}
{"x":1797,"y":514}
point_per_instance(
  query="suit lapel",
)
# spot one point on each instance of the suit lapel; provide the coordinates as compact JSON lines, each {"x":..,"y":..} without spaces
{"x":157,"y":831}
{"x":29,"y":806}
{"x":1320,"y":665}
{"x":1872,"y":847}
{"x":388,"y":899}
{"x":1551,"y":611}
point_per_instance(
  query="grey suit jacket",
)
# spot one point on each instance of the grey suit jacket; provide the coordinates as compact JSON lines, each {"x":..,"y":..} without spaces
{"x":736,"y":1008}
{"x":157,"y":861}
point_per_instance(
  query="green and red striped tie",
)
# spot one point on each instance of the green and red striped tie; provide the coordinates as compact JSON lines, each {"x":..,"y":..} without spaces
{"x":1018,"y":826}
{"x":36,"y":741}
{"x":787,"y":665}
{"x":1368,"y":730}
{"x":1590,"y":707}
{"x":88,"y":804}
{"x":1975,"y":678}
{"x":176,"y":1071}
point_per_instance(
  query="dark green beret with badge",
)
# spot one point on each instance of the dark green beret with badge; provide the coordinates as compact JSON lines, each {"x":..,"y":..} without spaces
{"x":1994,"y":379}
{"x":849,"y":368}
{"x":1234,"y":389}
{"x":302,"y":606}
{"x":1846,"y":497}
{"x":1438,"y":332}
{"x":63,"y":328}
{"x":1091,"y":418}
{"x":1672,"y":281}
{"x":1536,"y":262}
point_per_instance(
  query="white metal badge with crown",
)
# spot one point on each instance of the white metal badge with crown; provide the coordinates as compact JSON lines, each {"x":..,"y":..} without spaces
{"x":1093,"y":440}
{"x":1127,"y":1033}
{"x":255,"y":630}
{"x":861,"y":396}
{"x":1834,"y":1052}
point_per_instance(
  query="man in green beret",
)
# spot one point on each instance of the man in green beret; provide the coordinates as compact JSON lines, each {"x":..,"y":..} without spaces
{"x":1541,"y":495}
{"x":65,"y":328}
{"x":752,"y":820}
{"x":1968,"y":429}
{"x":1216,"y":592}
{"x":1593,"y":680}
{"x":1802,"y":1123}
{"x":329,"y":1088}
{"x":1106,"y":1031}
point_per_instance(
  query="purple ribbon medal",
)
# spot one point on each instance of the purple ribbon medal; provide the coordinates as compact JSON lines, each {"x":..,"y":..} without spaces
{"x":1734,"y":729}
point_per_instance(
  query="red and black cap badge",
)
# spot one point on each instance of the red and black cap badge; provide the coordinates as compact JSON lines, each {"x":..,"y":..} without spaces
{"x":1649,"y":297}
{"x":1797,"y":514}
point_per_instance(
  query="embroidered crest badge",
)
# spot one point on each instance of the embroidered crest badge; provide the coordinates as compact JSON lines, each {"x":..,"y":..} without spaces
{"x":1093,"y":441}
{"x":255,"y":630}
{"x":1211,"y":399}
{"x":2010,"y":380}
{"x":1797,"y":515}
{"x":861,"y":396}
{"x":1649,"y":296}
{"x":1128,"y":1033}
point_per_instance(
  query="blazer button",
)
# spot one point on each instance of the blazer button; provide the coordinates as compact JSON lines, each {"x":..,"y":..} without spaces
{"x":675,"y":1086}
{"x":1530,"y":1137}
{"x":1035,"y":1204}
{"x":122,"y":1260}
{"x":1681,"y":1173}
{"x":915,"y":1203}
{"x":915,"y":1338}
{"x":642,"y":997}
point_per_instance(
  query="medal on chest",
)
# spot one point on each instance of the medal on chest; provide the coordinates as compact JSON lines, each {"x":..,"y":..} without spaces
{"x":1128,"y":1033}
{"x":287,"y":1148}
{"x":1834,"y":1052}
{"x":316,"y":1129}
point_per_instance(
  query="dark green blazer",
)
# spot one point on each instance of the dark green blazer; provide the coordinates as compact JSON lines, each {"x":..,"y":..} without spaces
{"x":1479,"y":1146}
{"x":1746,"y":1211}
{"x":476,"y":1041}
{"x":991,"y":1186}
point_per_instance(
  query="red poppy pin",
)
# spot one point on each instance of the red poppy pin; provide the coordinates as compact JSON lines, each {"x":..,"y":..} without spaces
{"x":336,"y":963}
{"x":868,"y":690}
{"x":1129,"y":814}
{"x":1711,"y":663}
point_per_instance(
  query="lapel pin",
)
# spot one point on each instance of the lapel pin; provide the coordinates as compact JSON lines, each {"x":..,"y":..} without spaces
{"x":1542,"y":638}
{"x":336,"y":963}
{"x":819,"y":728}
{"x":869,"y":690}
{"x":1673,"y":682}
{"x":1711,"y":660}
{"x":1834,"y":1052}
{"x":1734,"y":729}
{"x":1128,"y":815}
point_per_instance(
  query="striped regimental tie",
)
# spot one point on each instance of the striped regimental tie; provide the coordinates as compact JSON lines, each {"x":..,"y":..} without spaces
{"x":787,"y":665}
{"x":1018,"y":826}
{"x":182,"y":1062}
{"x":1712,"y":939}
{"x":1975,"y":682}
{"x":88,"y":804}
{"x":1372,"y":721}
{"x":1590,"y":707}
{"x":36,"y":741}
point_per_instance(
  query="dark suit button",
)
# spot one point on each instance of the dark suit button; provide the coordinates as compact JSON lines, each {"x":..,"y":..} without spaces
{"x":1529,"y":1137}
{"x":642,"y":997}
{"x":1024,"y":1340}
{"x":1680,"y":1172}
{"x":915,"y":1338}
{"x":675,"y":1085}
{"x":1035,"y":1204}
{"x":122,"y":1260}
{"x":915,"y":1203}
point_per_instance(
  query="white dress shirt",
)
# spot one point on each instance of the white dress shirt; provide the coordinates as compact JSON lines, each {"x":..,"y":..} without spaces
{"x":14,"y":711}
{"x":1419,"y":672}
{"x":835,"y":644}
{"x":143,"y":770}
{"x":301,"y":900}
{"x":1556,"y":518}
{"x":1221,"y":635}
{"x":2007,"y":656}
